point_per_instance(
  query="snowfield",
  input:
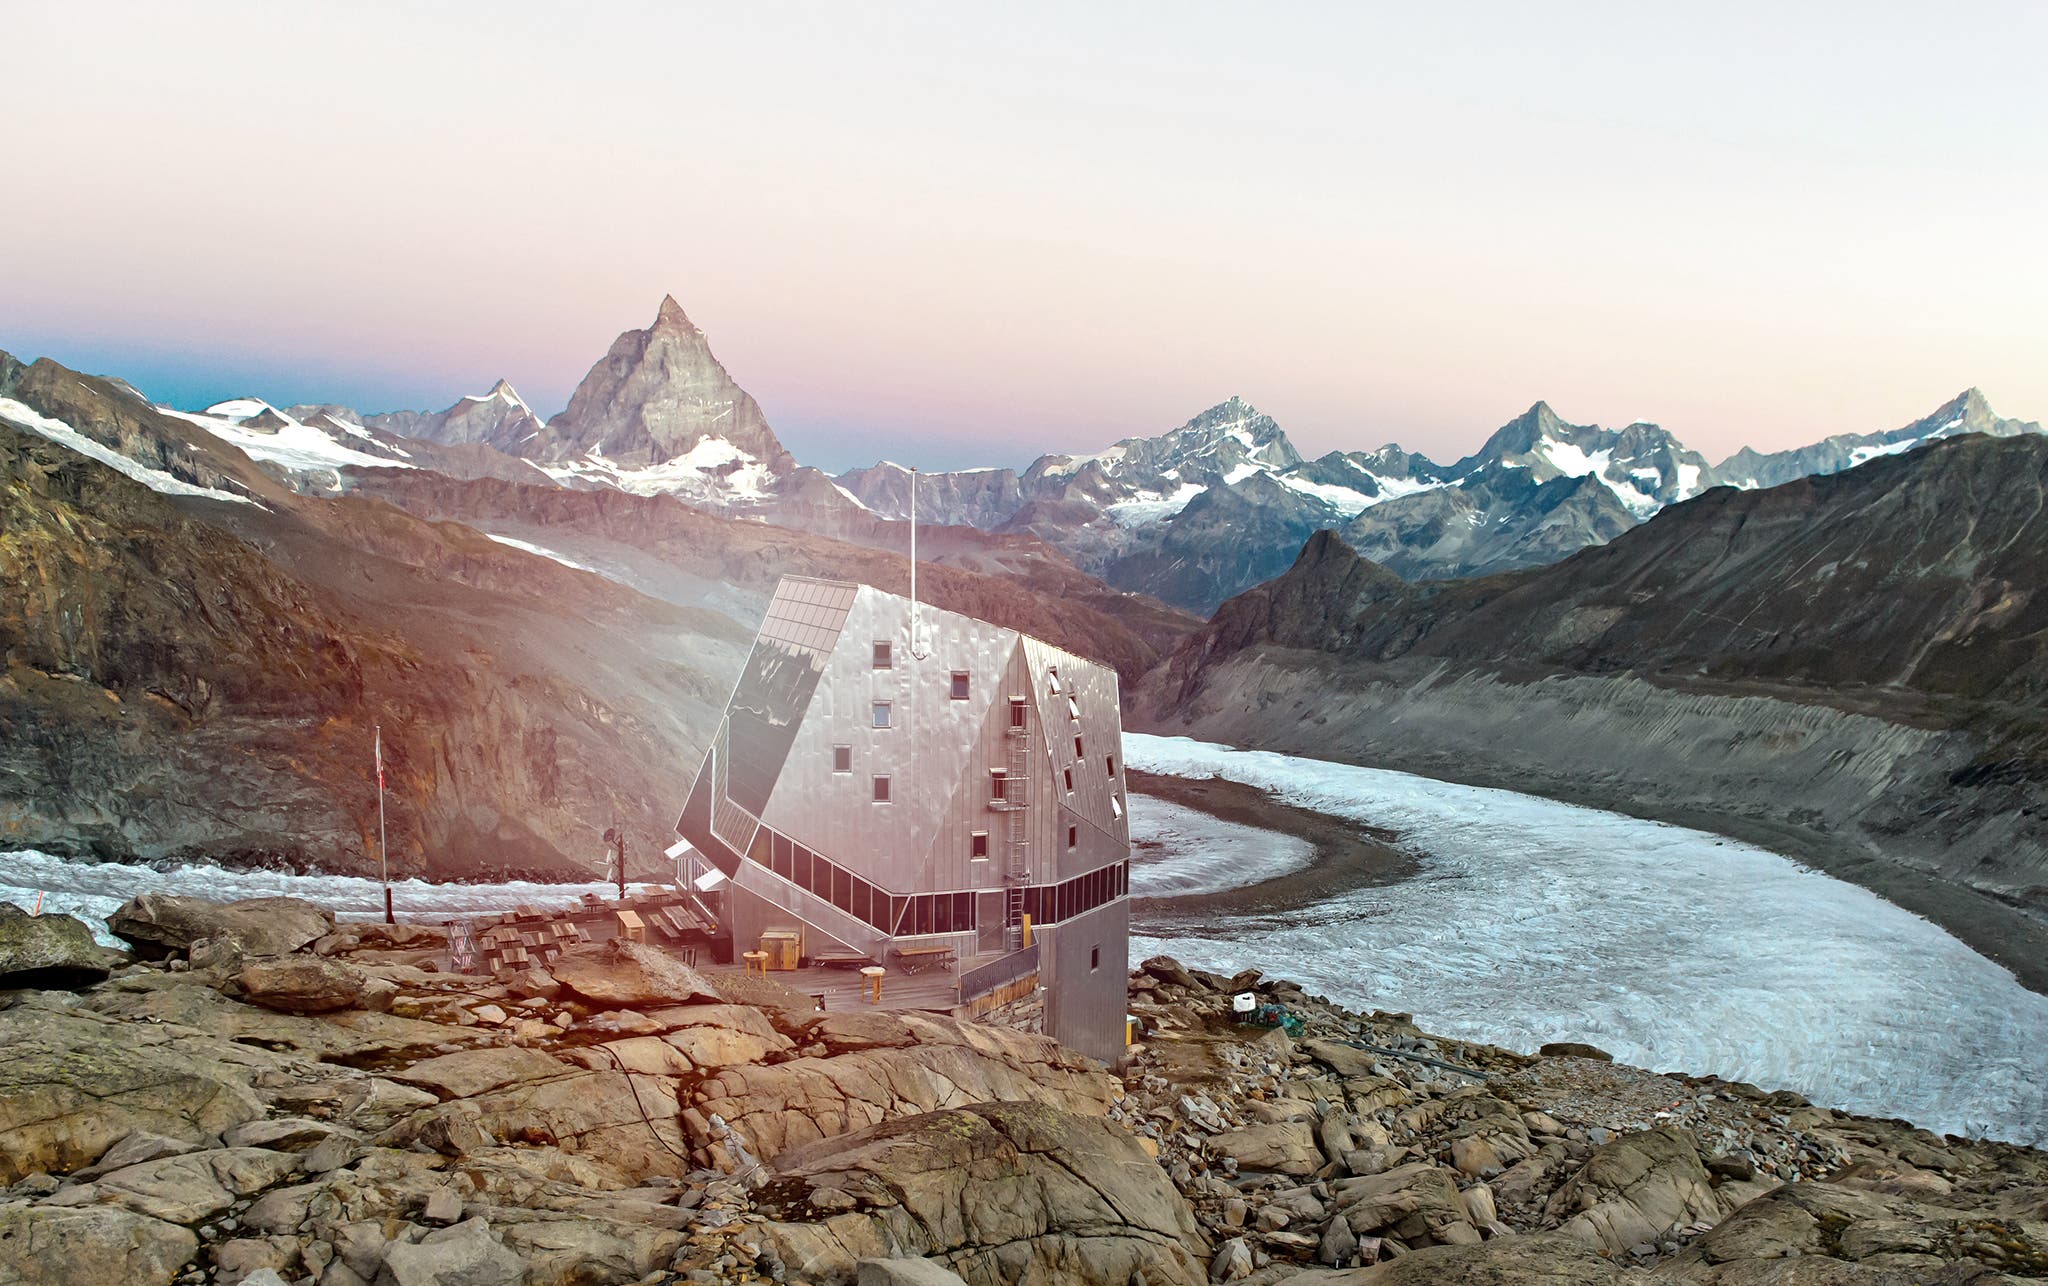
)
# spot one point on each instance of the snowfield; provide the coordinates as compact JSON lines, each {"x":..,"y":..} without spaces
{"x":296,"y":447}
{"x":1671,"y":948}
{"x":527,"y":546}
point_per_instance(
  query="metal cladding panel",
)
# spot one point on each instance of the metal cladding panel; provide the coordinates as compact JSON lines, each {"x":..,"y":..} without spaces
{"x":928,"y":738}
{"x":1093,"y":848}
{"x":798,"y":633}
{"x":695,"y":825}
{"x":1086,"y":706}
{"x":950,"y":860}
{"x":1085,"y":969}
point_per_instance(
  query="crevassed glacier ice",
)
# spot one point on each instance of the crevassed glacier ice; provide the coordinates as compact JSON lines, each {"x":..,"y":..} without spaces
{"x":1672,"y":948}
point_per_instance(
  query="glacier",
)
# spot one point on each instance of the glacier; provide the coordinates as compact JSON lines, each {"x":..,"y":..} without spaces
{"x":1673,"y":949}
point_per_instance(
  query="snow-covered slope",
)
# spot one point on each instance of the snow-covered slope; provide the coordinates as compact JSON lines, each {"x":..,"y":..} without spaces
{"x":24,"y":417}
{"x":309,"y":453}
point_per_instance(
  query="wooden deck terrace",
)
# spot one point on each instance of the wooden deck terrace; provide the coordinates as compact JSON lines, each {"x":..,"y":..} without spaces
{"x":839,"y":990}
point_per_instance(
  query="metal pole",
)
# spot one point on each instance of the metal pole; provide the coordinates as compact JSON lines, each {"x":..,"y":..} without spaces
{"x":383,"y":851}
{"x":913,"y":562}
{"x":622,"y":865}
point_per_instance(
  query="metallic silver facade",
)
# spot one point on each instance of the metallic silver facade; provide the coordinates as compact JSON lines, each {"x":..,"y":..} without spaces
{"x":1010,"y":780}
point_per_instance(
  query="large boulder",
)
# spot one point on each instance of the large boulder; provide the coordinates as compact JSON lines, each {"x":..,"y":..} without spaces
{"x":476,"y":1071}
{"x":54,"y":951}
{"x":73,"y":1084}
{"x":905,"y":1272}
{"x":300,"y":984}
{"x":1544,"y":1260}
{"x":948,"y":1063}
{"x":465,"y":1255}
{"x":94,"y":1244}
{"x":1635,"y":1190}
{"x":163,"y":924}
{"x":1287,"y":1147}
{"x":999,"y":1191}
{"x":196,"y":1185}
{"x":629,"y":975}
{"x":1418,"y":1203}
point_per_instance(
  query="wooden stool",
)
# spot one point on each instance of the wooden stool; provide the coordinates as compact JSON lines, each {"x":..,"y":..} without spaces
{"x":757,"y":962}
{"x":871,"y":982}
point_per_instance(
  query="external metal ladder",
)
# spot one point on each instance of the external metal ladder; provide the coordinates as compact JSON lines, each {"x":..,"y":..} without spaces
{"x":1016,"y":824}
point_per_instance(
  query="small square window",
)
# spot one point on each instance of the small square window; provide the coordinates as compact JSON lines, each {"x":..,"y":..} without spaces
{"x":959,"y":685}
{"x":842,"y":759}
{"x":1016,"y":712}
{"x":881,"y":789}
{"x":998,"y":784}
{"x":883,"y":656}
{"x":1070,"y":778}
{"x":1094,"y":959}
{"x":977,"y":844}
{"x":1073,"y":838}
{"x":881,"y":714}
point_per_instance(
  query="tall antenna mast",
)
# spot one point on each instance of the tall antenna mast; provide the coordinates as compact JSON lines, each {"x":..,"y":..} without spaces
{"x":916,"y":648}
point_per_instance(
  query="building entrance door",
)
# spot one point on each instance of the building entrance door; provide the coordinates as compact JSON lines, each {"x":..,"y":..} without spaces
{"x":988,"y":921}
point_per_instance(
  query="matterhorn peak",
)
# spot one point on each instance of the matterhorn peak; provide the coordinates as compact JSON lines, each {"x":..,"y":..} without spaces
{"x":671,"y":316}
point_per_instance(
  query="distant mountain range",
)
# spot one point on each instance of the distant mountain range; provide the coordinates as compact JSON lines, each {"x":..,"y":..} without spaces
{"x":1190,"y":516}
{"x":1224,"y":502}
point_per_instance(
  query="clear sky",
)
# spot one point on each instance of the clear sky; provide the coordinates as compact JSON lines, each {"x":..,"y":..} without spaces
{"x":956,"y":234}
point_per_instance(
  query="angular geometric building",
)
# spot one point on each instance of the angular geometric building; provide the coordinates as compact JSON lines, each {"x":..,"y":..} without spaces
{"x":888,"y":793}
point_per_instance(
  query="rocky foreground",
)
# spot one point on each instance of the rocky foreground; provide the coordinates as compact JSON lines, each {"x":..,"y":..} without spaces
{"x":254,"y":1094}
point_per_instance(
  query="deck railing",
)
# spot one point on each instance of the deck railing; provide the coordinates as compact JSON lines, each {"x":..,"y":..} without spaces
{"x":1000,"y":972}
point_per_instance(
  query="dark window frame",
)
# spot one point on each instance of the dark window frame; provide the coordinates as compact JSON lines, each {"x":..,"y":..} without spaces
{"x":842,"y":759}
{"x":881,"y":788}
{"x":960,"y":685}
{"x":883,"y":714}
{"x":884,"y":655}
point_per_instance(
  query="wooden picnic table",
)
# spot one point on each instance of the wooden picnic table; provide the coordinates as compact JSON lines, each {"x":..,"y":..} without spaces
{"x":918,"y":959}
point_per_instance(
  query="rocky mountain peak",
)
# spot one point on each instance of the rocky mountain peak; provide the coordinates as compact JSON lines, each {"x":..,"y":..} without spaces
{"x":656,"y":396}
{"x":670,"y":316}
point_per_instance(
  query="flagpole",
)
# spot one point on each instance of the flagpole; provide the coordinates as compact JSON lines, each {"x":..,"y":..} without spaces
{"x":383,"y":853}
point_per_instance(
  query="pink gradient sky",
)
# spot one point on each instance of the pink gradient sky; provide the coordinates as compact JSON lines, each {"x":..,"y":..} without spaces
{"x":957,"y":234}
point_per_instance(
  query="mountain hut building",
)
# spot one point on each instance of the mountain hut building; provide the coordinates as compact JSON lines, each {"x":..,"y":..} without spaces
{"x":914,"y":786}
